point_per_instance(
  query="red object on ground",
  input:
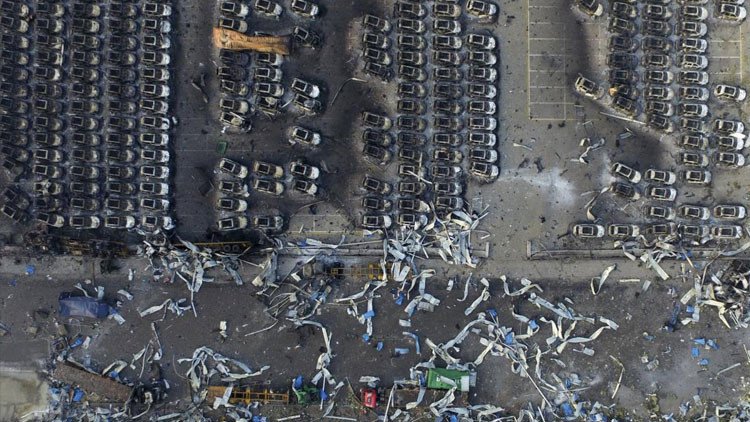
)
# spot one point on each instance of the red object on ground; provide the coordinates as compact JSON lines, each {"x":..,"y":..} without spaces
{"x":370,"y":398}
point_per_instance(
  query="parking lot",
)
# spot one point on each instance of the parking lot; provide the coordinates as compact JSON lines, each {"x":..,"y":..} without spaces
{"x":729,"y":57}
{"x":86,"y":129}
{"x":700,"y":126}
{"x":553,"y":55}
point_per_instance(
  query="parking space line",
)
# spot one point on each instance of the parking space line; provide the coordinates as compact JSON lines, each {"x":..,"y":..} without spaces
{"x":560,"y":39}
{"x":725,"y":57}
{"x":555,"y":73}
{"x":742,"y":58}
{"x":551,"y":103}
{"x":528,"y":58}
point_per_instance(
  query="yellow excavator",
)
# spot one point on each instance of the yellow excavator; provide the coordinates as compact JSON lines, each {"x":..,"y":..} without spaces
{"x":227,"y":39}
{"x":248,"y":394}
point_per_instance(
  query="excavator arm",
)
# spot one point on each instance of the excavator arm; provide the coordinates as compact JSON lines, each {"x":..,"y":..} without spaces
{"x":232,"y":40}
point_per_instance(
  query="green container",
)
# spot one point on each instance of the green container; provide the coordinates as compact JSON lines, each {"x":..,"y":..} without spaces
{"x":445,"y":379}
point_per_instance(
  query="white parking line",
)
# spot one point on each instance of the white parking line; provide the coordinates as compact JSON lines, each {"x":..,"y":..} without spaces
{"x":560,"y":39}
{"x":726,"y":57}
{"x":558,"y":45}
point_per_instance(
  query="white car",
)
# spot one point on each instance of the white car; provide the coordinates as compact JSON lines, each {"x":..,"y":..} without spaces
{"x":695,"y":212}
{"x":660,"y":176}
{"x":234,"y":168}
{"x":588,"y":230}
{"x":588,"y":87}
{"x":117,"y":222}
{"x":732,"y":12}
{"x":661,"y":193}
{"x":626,"y":172}
{"x":729,"y":159}
{"x":623,"y":230}
{"x":697,"y":177}
{"x":730,"y":212}
{"x":482,"y":8}
{"x":726,"y":232}
{"x":729,"y":92}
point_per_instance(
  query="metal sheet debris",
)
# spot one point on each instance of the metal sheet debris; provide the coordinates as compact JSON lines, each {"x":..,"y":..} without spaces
{"x":199,"y":373}
{"x":598,"y":282}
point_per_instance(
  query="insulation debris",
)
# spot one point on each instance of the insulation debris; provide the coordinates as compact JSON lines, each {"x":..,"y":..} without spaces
{"x":483,"y":297}
{"x":189,"y":263}
{"x":598,"y":282}
{"x":588,"y":147}
{"x":177,"y":307}
{"x":205,"y":364}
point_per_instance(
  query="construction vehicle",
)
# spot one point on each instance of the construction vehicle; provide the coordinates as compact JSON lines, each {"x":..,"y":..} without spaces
{"x":445,"y":379}
{"x":247,"y":395}
{"x":370,"y":272}
{"x":226,"y":247}
{"x":226,"y":39}
{"x":403,"y":395}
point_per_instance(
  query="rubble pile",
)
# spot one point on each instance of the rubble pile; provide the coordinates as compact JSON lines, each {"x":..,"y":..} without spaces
{"x":169,"y":262}
{"x":450,"y":238}
{"x":728,"y":291}
{"x":206,"y":363}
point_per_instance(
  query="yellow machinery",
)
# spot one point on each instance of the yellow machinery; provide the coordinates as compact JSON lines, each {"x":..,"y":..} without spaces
{"x":248,"y":395}
{"x":226,"y":247}
{"x":370,"y":272}
{"x":227,"y":39}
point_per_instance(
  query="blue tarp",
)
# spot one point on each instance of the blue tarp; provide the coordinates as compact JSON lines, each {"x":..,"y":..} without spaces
{"x":298,"y":382}
{"x":82,"y":306}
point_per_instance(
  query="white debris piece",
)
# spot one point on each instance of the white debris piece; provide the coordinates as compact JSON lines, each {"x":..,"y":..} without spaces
{"x":223,"y":329}
{"x":125,"y":294}
{"x":325,"y":358}
{"x":589,"y":146}
{"x":597,"y":282}
{"x":177,"y":307}
{"x":483,"y":297}
{"x":267,"y":277}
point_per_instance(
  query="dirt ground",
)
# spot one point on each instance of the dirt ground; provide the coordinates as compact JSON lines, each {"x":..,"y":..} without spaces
{"x":640,"y":339}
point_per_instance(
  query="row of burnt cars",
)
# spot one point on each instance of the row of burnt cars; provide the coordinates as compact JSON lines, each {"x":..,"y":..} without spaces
{"x":410,"y":17}
{"x":698,"y":224}
{"x":447,"y":102}
{"x":235,"y":15}
{"x":85,"y":114}
{"x":725,"y":10}
{"x":258,"y":84}
{"x":660,"y":53}
{"x":266,"y":179}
